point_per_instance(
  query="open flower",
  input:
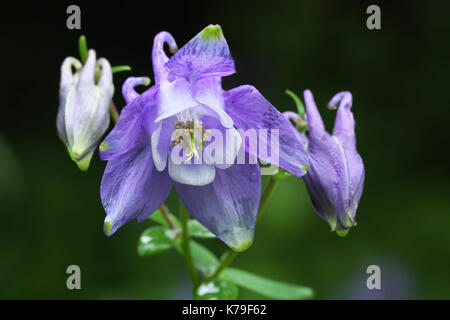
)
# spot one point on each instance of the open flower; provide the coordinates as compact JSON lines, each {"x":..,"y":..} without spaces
{"x":83,"y":114}
{"x":336,"y":177}
{"x":142,"y":148}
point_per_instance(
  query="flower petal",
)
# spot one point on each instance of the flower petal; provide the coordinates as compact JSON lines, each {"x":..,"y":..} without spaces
{"x":105,"y":83}
{"x":228,"y":206}
{"x":326,"y":178}
{"x":189,"y":173}
{"x":127,"y":130}
{"x":315,"y":123}
{"x":207,"y":54}
{"x":250,"y":110}
{"x":132,"y":188}
{"x":86,"y":118}
{"x":208,"y":92}
{"x":87,"y":74}
{"x":67,"y":86}
{"x":223,"y":144}
{"x":159,"y":57}
{"x":174,"y":97}
{"x":128,"y":91}
{"x":68,"y":78}
{"x":160,"y":140}
{"x":344,"y":131}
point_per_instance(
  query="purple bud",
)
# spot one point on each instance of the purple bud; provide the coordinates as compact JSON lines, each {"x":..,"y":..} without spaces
{"x":336,"y":175}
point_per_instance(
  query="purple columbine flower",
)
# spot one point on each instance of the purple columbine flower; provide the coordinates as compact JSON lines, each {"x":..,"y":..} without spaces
{"x":336,"y":176}
{"x":188,"y":95}
{"x":83,"y":115}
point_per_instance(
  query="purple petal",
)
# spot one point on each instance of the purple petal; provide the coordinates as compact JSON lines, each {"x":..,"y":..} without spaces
{"x":315,"y":123}
{"x":174,"y":97}
{"x":208,"y":92}
{"x":344,"y":126}
{"x":132,"y":188}
{"x":228,"y":206}
{"x":127,"y":130}
{"x":344,"y":131}
{"x":207,"y":54}
{"x":128,"y":91}
{"x":159,"y":57}
{"x":326,"y":178}
{"x":250,"y":110}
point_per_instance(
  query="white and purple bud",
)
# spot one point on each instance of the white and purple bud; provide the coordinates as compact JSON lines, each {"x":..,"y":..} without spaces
{"x":83,"y":115}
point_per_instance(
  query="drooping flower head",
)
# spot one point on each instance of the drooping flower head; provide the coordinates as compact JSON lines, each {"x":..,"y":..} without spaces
{"x":83,"y":115}
{"x":336,"y":176}
{"x":163,"y":136}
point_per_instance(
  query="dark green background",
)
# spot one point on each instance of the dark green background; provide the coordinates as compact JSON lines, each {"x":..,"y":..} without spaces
{"x":51,"y":214}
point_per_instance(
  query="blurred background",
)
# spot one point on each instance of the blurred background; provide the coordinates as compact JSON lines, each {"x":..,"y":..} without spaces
{"x":50,"y":212}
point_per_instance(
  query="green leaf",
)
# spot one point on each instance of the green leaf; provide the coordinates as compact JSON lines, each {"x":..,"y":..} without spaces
{"x":204,"y":260}
{"x":298,"y":103}
{"x":197,"y":230}
{"x":216,"y":290}
{"x":116,"y":69}
{"x":155,"y":240}
{"x":82,"y":48}
{"x":266,"y":287}
{"x":157,"y":216}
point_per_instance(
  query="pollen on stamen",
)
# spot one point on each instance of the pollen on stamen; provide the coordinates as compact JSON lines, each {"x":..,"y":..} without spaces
{"x":186,"y":133}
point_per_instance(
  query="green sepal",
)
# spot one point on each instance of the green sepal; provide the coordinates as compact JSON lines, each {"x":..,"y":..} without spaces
{"x":116,"y":69}
{"x":83,"y":48}
{"x":216,"y":290}
{"x":298,"y":103}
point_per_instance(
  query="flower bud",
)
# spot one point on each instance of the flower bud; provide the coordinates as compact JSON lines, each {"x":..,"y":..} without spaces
{"x":336,"y":176}
{"x":83,"y":115}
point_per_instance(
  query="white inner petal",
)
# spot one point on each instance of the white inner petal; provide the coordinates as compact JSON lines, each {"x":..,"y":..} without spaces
{"x":191,"y":174}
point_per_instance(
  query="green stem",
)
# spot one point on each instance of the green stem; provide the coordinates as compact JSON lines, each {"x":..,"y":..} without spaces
{"x":228,"y":257}
{"x":187,"y":246}
{"x":267,"y":193}
{"x":113,"y":111}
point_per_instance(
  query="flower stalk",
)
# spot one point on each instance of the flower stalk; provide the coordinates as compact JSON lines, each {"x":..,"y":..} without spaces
{"x":186,"y":245}
{"x":266,"y":195}
{"x":227,"y":258}
{"x":113,"y":111}
{"x":165,"y":214}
